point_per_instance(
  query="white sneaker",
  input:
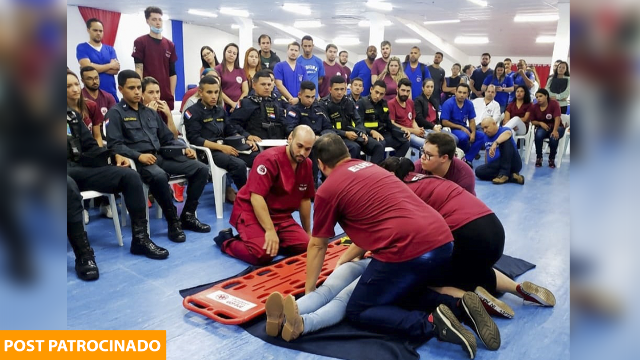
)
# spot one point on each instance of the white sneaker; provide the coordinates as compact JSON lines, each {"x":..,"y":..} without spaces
{"x":106,"y":211}
{"x":85,"y":214}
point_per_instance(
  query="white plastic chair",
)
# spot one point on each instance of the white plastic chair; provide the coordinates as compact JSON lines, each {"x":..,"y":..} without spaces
{"x":562,"y":144}
{"x":217,"y":176}
{"x":90,"y":194}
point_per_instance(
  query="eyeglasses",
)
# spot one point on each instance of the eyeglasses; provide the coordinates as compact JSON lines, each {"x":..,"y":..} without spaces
{"x":425,"y":155}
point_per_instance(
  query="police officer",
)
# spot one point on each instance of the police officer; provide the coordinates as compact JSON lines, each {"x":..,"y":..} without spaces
{"x":138,"y":132}
{"x":347,"y":123}
{"x":309,"y":112}
{"x":206,"y":125}
{"x":260,"y":116}
{"x":375,"y":114}
{"x":88,"y":169}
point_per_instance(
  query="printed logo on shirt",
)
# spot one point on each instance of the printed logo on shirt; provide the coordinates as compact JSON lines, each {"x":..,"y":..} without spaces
{"x":300,"y":77}
{"x":271,"y":112}
{"x":419,"y":80}
{"x":370,"y":111}
{"x":418,"y":177}
{"x":292,"y":113}
{"x":104,"y":110}
{"x":338,"y":73}
{"x":385,"y":109}
{"x":356,"y":168}
{"x":302,"y":187}
{"x":130,"y":119}
{"x":409,"y":115}
{"x":549,"y":116}
{"x":168,"y":53}
{"x":262,"y":170}
{"x":238,"y":79}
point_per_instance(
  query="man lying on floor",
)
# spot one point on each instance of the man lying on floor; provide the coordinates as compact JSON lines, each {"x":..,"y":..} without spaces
{"x":280,"y":183}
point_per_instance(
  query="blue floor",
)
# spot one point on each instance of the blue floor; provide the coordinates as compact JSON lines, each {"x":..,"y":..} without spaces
{"x":136,"y":293}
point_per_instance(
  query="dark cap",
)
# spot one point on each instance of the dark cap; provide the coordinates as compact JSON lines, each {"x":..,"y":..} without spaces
{"x":238,"y":142}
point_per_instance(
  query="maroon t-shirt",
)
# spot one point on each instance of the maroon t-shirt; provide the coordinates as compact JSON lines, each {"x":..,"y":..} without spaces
{"x":156,"y":57}
{"x":403,"y":116}
{"x":459,"y":172}
{"x":347,"y":72}
{"x":392,"y":88}
{"x":547,"y":116}
{"x":329,"y":72}
{"x":378,"y":66}
{"x":377,"y":212}
{"x":104,"y":101}
{"x":94,"y":116}
{"x":457,"y":206}
{"x":232,"y":82}
{"x":273,"y":178}
{"x":514,"y":111}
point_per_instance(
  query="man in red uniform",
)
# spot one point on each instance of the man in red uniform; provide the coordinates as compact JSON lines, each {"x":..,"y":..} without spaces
{"x":155,"y":56}
{"x":279,"y":184}
{"x":411,"y":246}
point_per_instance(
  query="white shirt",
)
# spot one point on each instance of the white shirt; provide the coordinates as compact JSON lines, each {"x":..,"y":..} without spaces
{"x":483,"y":110}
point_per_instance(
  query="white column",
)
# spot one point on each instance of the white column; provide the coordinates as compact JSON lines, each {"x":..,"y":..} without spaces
{"x":376,"y":29}
{"x":563,"y":40}
{"x":245,"y":37}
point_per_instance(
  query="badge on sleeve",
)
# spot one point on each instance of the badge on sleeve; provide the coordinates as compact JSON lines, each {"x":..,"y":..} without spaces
{"x":291,"y":113}
{"x":262,"y":170}
{"x":187,"y":115}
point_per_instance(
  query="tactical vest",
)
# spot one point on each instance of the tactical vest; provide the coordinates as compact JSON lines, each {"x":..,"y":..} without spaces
{"x":371,"y":121}
{"x":267,"y":122}
{"x":339,"y":119}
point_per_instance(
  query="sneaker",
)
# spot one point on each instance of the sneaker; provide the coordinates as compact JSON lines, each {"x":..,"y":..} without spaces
{"x":106,"y":210}
{"x":539,"y":162}
{"x":499,"y":180}
{"x":533,"y":293}
{"x":294,"y":326}
{"x":480,"y":321}
{"x":493,"y":305}
{"x":178,"y":192}
{"x":85,"y":216}
{"x":449,"y":329}
{"x":223,"y":236}
{"x":552,"y":163}
{"x":517,"y":178}
{"x":274,"y":309}
{"x":468,"y":162}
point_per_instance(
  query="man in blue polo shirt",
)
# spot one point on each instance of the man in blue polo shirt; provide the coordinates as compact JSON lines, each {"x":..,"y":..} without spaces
{"x":459,"y":114}
{"x":290,"y":74}
{"x":99,"y":56}
{"x":416,"y":71}
{"x":362,"y":70}
{"x":311,"y":63}
{"x":521,"y":77}
{"x":503,"y":161}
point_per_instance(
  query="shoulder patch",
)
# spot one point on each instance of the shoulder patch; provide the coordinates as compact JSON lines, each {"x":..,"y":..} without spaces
{"x":292,"y":113}
{"x":187,"y":115}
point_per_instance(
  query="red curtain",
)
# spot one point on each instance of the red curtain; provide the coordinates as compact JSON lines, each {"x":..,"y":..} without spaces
{"x":543,"y":73}
{"x":110,"y":21}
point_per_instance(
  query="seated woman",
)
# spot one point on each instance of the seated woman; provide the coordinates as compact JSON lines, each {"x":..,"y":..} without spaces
{"x":516,"y":116}
{"x":545,"y":115}
{"x":427,"y":107}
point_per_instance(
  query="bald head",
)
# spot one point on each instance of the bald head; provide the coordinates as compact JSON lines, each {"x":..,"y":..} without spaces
{"x":489,"y":126}
{"x":490,"y":93}
{"x":300,"y":143}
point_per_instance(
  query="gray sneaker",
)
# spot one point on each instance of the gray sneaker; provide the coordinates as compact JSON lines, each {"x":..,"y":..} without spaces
{"x":449,"y":329}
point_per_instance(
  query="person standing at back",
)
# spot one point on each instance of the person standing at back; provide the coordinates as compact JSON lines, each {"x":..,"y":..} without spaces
{"x":478,"y":76}
{"x":343,"y":58}
{"x":331,"y":69}
{"x":101,"y":57}
{"x":268,"y":58}
{"x":362,"y":69}
{"x":416,"y":71}
{"x":311,"y":63}
{"x":381,"y":63}
{"x":155,"y":56}
{"x":437,"y":74}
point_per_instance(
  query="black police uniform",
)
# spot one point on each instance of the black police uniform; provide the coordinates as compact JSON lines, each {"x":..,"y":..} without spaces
{"x":313,"y":116}
{"x":376,"y":117}
{"x":212,"y":124}
{"x":132,"y":133}
{"x":259,"y":116}
{"x":344,"y":117}
{"x":87,"y":169}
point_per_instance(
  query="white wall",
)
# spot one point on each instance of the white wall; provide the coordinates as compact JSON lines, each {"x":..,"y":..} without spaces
{"x":195,"y":37}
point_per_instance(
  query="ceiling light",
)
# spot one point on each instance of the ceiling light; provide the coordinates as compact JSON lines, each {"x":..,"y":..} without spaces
{"x":305,"y":24}
{"x":471,"y":40}
{"x":282,"y":41}
{"x":442,"y":22}
{"x":236,"y":26}
{"x":479,"y":2}
{"x":297,"y":8}
{"x":234,"y":12}
{"x":546,"y":39}
{"x":367,"y":23}
{"x":379,"y":5}
{"x":346,"y":41}
{"x":408,"y":41}
{"x":536,"y":18}
{"x":202,"y":13}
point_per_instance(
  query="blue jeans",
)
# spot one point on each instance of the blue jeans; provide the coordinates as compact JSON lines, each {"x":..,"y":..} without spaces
{"x":473,"y":148}
{"x":394,"y":298}
{"x":542,"y":134}
{"x":508,"y":163}
{"x":327,"y":305}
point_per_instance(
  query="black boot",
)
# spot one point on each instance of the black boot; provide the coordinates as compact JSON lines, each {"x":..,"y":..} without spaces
{"x":175,"y":232}
{"x":141,"y":244}
{"x":86,"y":267}
{"x":190,"y":222}
{"x":223,"y":236}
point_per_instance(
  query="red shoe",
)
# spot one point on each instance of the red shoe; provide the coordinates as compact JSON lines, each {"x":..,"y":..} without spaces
{"x":178,"y":192}
{"x":536,"y":294}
